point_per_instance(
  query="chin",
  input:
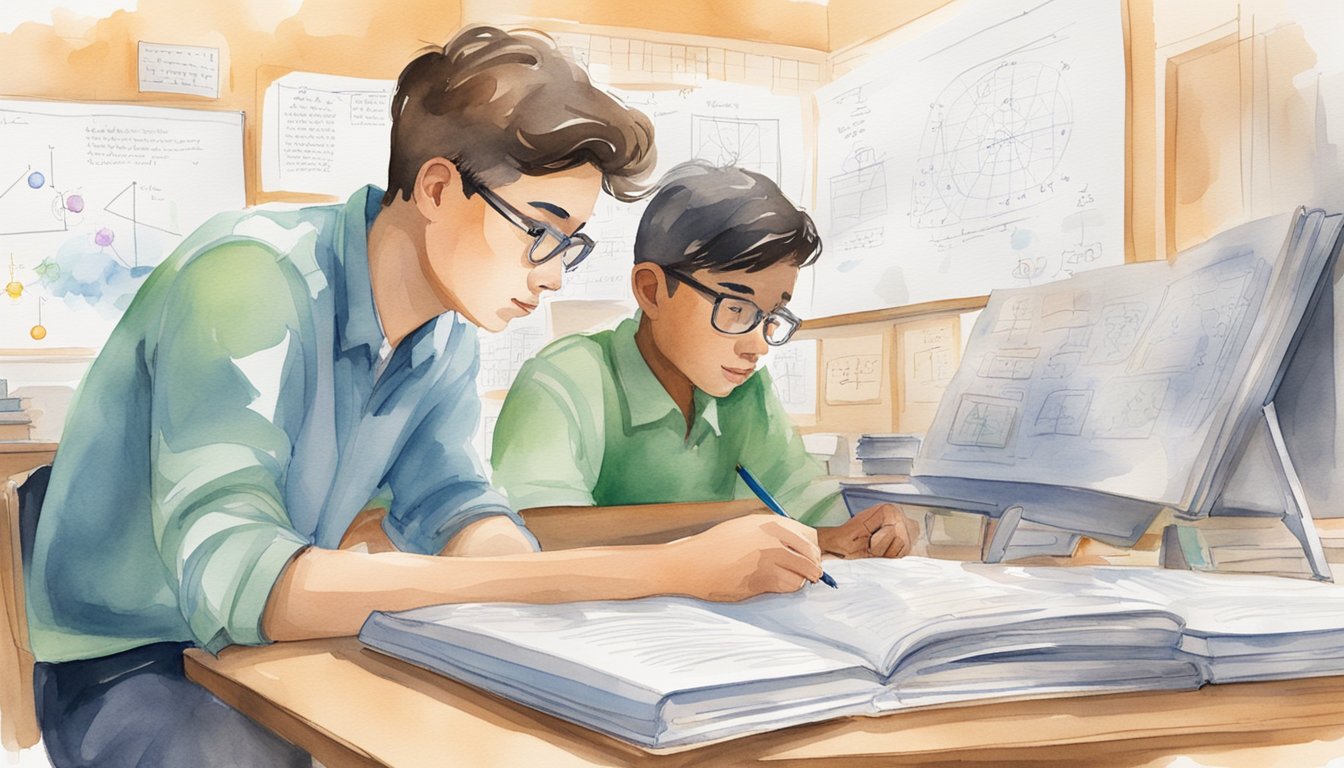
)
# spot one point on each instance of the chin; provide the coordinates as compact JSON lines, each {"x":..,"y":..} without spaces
{"x":718,"y":388}
{"x":493,"y":324}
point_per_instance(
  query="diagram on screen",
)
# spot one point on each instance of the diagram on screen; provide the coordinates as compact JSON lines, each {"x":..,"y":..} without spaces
{"x":1121,"y":324}
{"x":1129,"y":408}
{"x":1014,"y":364}
{"x":1063,"y":412}
{"x":503,"y":354}
{"x":142,"y":206}
{"x":787,"y":369}
{"x":1015,"y":320}
{"x":858,"y":196}
{"x":983,"y":422}
{"x":31,"y":204}
{"x":992,"y":143}
{"x":20,"y":294}
{"x":1197,"y":329}
{"x":745,"y":143}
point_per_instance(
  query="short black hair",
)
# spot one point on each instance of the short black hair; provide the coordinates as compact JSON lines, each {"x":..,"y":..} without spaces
{"x":502,"y":104}
{"x":723,"y":219}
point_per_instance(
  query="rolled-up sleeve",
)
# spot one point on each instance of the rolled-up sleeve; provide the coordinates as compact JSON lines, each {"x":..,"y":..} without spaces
{"x":228,"y":348}
{"x":437,"y":480}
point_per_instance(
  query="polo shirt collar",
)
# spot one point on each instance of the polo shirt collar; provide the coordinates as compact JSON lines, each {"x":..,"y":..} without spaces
{"x":707,"y":406}
{"x":358,"y":319}
{"x":643,"y":394}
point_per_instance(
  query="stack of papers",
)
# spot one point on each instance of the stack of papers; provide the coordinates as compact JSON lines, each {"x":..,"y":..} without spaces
{"x":887,"y":454}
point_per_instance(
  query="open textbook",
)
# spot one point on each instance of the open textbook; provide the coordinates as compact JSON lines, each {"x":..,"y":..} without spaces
{"x":666,"y":672}
{"x":1096,"y":401}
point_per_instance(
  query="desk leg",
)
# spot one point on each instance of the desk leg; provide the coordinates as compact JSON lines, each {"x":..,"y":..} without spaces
{"x":1297,"y":514}
{"x":1003,"y":533}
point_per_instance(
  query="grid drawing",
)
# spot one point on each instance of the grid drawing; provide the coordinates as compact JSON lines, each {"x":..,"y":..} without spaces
{"x":743,"y":142}
{"x":991,"y":144}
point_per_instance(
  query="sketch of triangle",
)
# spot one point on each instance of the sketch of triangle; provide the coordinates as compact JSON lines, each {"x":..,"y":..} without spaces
{"x":124,"y":206}
{"x":27,"y":211}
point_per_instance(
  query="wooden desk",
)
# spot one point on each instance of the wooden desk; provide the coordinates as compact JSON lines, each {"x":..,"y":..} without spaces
{"x":18,"y":456}
{"x":349,"y":706}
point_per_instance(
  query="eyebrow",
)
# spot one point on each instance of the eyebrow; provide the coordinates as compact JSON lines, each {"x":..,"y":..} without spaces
{"x":740,"y":288}
{"x":551,"y":207}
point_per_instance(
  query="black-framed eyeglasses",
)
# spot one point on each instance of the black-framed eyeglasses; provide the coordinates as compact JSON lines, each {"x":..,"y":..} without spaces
{"x":735,"y":315}
{"x":547,"y":241}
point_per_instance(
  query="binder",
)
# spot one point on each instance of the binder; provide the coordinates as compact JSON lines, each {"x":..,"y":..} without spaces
{"x":1094,"y":403}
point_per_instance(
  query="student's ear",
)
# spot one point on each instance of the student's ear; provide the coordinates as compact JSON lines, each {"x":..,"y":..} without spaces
{"x":436,"y":185}
{"x":650,"y":287}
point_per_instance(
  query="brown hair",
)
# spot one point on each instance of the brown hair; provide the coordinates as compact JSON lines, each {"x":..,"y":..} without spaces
{"x":501,"y":104}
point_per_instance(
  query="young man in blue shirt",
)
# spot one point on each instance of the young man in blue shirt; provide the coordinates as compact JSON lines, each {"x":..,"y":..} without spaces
{"x":281,"y":369}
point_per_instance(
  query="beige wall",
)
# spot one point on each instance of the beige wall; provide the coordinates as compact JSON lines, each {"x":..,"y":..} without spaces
{"x":1244,"y":90}
{"x":857,"y":21}
{"x":783,"y":22}
{"x":81,"y":59}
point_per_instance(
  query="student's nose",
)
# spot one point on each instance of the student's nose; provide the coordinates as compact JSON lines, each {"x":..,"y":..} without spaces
{"x":548,"y":276}
{"x":751,"y":345}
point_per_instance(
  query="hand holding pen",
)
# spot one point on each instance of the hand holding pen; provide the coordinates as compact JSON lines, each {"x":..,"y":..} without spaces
{"x":775,"y":507}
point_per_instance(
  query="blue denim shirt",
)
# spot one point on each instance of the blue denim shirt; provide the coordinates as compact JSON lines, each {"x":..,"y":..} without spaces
{"x":233,"y":418}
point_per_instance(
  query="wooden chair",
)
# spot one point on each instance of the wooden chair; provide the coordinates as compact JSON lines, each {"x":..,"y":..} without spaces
{"x":18,"y":710}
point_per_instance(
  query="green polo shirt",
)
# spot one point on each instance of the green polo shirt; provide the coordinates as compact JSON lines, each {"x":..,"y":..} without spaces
{"x":586,"y":423}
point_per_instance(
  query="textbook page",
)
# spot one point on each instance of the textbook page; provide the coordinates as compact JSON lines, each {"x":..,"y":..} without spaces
{"x":1130,"y":381}
{"x":92,"y":198}
{"x":658,"y":646}
{"x":903,"y":615}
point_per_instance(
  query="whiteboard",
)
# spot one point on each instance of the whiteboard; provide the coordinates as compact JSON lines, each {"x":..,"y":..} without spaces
{"x":985,"y":151}
{"x":92,"y":198}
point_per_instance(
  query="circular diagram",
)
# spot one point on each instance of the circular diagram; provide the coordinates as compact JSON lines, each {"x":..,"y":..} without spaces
{"x":991,"y":144}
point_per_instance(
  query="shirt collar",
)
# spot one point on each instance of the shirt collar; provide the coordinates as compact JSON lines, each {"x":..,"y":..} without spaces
{"x":358,"y":318}
{"x":644,"y":395}
{"x":707,"y":406}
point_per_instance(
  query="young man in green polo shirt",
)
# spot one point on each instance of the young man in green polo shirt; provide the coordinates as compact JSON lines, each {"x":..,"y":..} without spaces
{"x":663,"y":408}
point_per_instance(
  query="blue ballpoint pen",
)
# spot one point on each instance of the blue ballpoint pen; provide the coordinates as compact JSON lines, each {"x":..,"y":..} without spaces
{"x":770,"y":502}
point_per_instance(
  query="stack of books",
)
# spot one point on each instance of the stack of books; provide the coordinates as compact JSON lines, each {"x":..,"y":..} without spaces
{"x":887,"y":454}
{"x":1244,"y":545}
{"x":14,"y":423}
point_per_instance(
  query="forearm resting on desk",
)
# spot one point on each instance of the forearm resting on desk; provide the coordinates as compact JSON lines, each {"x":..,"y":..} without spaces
{"x":572,"y":527}
{"x":329,"y":593}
